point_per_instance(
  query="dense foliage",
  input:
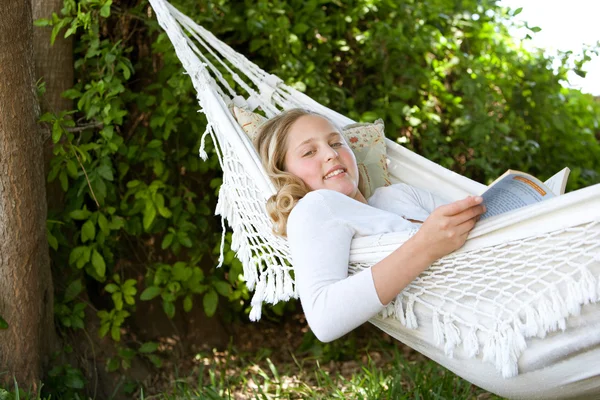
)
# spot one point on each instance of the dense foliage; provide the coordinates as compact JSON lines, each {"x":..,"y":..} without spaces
{"x":136,"y":218}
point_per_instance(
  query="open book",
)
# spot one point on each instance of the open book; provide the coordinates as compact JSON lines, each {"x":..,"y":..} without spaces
{"x":515,"y":189}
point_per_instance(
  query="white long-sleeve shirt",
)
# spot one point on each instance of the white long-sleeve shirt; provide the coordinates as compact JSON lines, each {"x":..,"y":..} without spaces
{"x":320,"y":230}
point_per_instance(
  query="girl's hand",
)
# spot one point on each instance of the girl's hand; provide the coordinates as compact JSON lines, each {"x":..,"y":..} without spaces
{"x":448,"y":226}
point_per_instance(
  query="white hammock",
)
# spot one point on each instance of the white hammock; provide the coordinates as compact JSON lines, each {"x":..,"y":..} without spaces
{"x":519,"y":300}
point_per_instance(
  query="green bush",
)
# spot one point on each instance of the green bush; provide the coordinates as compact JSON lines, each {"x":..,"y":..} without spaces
{"x":138,"y":202}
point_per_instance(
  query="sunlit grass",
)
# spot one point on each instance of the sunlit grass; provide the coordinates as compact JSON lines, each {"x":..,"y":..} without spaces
{"x":308,"y":379}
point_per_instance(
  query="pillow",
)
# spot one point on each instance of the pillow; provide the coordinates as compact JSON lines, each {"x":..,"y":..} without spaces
{"x":248,"y":120}
{"x":367,"y":142}
{"x":365,"y":139}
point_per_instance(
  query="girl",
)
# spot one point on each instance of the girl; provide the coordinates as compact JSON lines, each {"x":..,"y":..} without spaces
{"x":320,"y":209}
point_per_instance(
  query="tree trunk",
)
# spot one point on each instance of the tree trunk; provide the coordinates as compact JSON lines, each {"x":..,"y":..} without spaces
{"x":54,"y":66}
{"x":53,"y":63}
{"x":26,"y":295}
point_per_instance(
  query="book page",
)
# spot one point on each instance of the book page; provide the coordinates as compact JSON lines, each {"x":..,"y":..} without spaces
{"x":558,"y":181}
{"x":513,"y":191}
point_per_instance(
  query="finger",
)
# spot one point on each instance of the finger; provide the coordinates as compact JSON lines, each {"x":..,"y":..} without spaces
{"x":461,"y":205}
{"x":466,"y":226}
{"x":469,"y":213}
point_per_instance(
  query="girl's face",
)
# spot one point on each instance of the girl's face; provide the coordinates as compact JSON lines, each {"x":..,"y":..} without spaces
{"x":318,"y":154}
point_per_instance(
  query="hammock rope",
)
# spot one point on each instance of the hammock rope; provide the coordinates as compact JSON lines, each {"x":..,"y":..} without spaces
{"x":519,"y":278}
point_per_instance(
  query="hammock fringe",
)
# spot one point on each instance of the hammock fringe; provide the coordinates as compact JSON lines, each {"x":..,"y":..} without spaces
{"x":504,"y":345}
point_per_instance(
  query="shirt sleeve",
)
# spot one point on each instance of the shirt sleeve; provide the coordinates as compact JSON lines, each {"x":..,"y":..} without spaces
{"x":425,"y":199}
{"x":333,"y":302}
{"x":406,"y":201}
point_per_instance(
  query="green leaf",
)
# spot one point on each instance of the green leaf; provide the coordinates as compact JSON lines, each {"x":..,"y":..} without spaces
{"x":129,"y":287}
{"x":112,"y":365}
{"x":111,"y":288}
{"x":118,"y":300}
{"x":64,"y":180}
{"x":169,"y":309}
{"x":517,"y":11}
{"x":104,"y":328}
{"x":103,"y":224}
{"x":148,"y":347}
{"x":187,"y":303}
{"x":222,"y":287}
{"x":88,"y":231}
{"x":98,"y":263}
{"x":72,"y":169}
{"x":52,"y":241}
{"x":79,"y":256}
{"x":42,"y":22}
{"x":115,"y":333}
{"x":181,"y":272}
{"x":73,"y":290}
{"x":74,"y":380}
{"x":105,"y":10}
{"x":535,"y":29}
{"x":155,"y":360}
{"x":106,"y":172}
{"x":56,"y":132}
{"x":210,"y":301}
{"x":150,"y":292}
{"x":149,"y":215}
{"x":167,"y":240}
{"x":185,"y":240}
{"x":3,"y":323}
{"x":164,"y":212}
{"x":80,"y":214}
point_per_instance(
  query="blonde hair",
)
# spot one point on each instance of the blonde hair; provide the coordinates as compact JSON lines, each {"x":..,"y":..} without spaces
{"x":271,"y":144}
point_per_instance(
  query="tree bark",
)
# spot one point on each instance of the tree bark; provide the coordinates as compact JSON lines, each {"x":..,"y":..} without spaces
{"x":26,"y":294}
{"x":53,"y":63}
{"x":54,"y":66}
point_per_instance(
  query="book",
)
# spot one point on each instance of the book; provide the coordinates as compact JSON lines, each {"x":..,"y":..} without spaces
{"x":516,"y":189}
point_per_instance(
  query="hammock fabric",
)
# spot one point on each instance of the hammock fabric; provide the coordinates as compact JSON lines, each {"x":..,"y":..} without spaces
{"x":519,"y":300}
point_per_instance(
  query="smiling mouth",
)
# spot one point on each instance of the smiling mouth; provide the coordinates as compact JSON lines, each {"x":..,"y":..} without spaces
{"x":334,"y":173}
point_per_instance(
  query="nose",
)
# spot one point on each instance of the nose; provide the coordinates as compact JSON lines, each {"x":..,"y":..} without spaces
{"x":331,"y":154}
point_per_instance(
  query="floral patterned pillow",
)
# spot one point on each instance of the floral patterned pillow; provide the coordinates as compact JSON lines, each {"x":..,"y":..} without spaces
{"x":366,"y":141}
{"x":248,"y":120}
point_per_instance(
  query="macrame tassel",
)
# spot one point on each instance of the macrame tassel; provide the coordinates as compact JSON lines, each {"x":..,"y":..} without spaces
{"x":545,"y":313}
{"x":261,"y":285}
{"x":288,"y":285}
{"x":387,"y":311}
{"x":222,"y":247}
{"x":489,"y":347}
{"x":559,"y":309}
{"x":257,"y":299}
{"x":575,"y":297}
{"x":588,"y":286}
{"x":411,"y":318}
{"x":250,"y":274}
{"x":532,"y":322}
{"x":471,"y":343}
{"x":452,"y":335}
{"x":508,"y":359}
{"x":520,"y":343}
{"x":438,"y":331}
{"x":279,"y":290}
{"x":255,"y":312}
{"x":399,"y":310}
{"x":270,"y":288}
{"x":201,"y":151}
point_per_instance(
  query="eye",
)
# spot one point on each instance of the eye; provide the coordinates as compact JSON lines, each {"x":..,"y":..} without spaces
{"x":337,"y":144}
{"x":308,"y":153}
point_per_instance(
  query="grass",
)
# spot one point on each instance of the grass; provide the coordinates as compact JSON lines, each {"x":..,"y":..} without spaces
{"x":308,"y":379}
{"x":365,"y":365}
